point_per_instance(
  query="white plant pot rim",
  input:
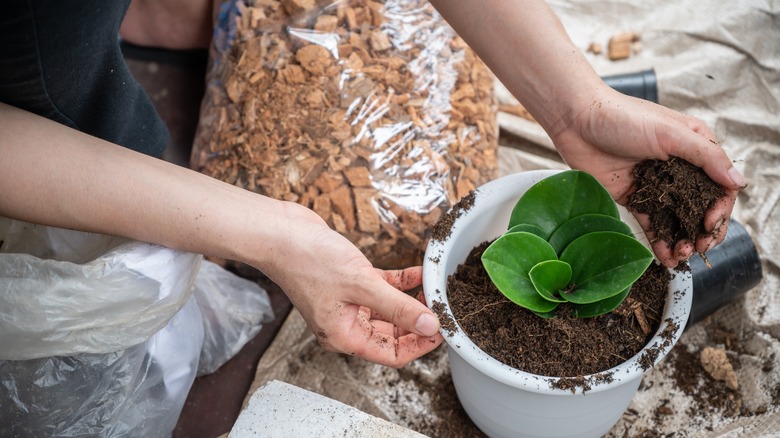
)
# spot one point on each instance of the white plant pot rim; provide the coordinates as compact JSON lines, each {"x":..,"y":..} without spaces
{"x":488,"y":197}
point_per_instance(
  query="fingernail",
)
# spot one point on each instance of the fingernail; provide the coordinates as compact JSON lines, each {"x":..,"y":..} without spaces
{"x":683,"y":250}
{"x":427,"y":324}
{"x":737,"y":178}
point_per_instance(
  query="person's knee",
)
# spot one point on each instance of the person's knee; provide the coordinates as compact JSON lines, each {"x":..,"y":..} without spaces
{"x":169,"y":24}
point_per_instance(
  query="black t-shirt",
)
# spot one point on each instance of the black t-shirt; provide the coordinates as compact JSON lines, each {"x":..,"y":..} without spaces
{"x":62,"y":60}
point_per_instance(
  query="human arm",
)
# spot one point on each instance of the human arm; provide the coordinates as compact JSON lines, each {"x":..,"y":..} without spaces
{"x":54,"y":175}
{"x":593,"y":127}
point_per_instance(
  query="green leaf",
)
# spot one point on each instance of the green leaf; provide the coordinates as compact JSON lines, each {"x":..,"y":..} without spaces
{"x":558,"y":198}
{"x":533,"y":229}
{"x":584,"y":224}
{"x":600,"y":307}
{"x":509,"y":259}
{"x":546,"y":315}
{"x":604,"y":263}
{"x":549,"y":278}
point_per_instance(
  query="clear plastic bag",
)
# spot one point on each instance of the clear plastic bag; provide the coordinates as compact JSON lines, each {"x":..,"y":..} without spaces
{"x":101,"y":336}
{"x":138,"y":391}
{"x":372,"y":113}
{"x":234,"y":310}
{"x":64,"y":292}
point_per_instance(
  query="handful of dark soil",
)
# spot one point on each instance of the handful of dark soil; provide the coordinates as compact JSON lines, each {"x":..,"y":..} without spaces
{"x":675,"y":194}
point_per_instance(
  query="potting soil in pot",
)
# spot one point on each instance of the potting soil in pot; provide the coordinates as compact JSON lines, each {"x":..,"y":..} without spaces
{"x":679,"y":397}
{"x":563,"y":345}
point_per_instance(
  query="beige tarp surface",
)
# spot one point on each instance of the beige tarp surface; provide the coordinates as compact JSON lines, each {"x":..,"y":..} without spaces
{"x":719,"y":61}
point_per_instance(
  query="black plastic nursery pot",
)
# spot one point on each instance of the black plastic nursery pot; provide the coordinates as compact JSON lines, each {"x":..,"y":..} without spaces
{"x":642,"y":84}
{"x":736,"y":269}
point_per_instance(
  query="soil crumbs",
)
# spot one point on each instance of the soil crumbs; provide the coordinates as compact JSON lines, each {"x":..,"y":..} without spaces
{"x":559,"y":346}
{"x":693,"y":395}
{"x":675,"y":194}
{"x":442,"y":229}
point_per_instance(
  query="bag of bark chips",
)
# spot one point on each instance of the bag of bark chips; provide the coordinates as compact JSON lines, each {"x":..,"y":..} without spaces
{"x":372,"y":113}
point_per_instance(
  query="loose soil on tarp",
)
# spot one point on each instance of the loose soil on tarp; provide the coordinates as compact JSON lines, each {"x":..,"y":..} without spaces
{"x":675,"y":194}
{"x":561,"y":346}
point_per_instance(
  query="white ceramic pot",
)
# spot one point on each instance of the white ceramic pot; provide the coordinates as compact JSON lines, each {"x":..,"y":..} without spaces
{"x":504,"y":401}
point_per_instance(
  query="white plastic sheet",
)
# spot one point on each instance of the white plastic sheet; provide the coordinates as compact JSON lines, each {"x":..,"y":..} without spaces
{"x":234,"y":310}
{"x":101,"y":336}
{"x":66,"y":292}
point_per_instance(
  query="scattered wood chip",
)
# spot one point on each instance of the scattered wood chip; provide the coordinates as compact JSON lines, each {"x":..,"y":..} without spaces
{"x":620,"y":45}
{"x":314,"y":58}
{"x":595,"y":48}
{"x":326,"y":23}
{"x":640,"y":317}
{"x":358,"y":176}
{"x":293,"y":7}
{"x":379,"y":41}
{"x":717,"y":364}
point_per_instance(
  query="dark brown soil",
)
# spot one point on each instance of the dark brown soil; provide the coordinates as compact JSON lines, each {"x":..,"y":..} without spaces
{"x":453,"y":422}
{"x":709,"y":396}
{"x":441,"y":231}
{"x":675,"y":195}
{"x":559,"y":346}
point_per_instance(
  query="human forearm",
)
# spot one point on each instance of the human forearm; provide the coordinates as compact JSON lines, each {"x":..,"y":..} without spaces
{"x":54,"y":175}
{"x":527,"y":48}
{"x":593,"y":127}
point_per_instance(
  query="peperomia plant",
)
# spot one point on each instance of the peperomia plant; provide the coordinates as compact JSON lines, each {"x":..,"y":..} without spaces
{"x":566,"y":243}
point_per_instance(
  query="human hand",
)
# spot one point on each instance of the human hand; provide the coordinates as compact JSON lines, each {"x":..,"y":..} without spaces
{"x":614,"y":132}
{"x":326,"y":277}
{"x":349,"y":305}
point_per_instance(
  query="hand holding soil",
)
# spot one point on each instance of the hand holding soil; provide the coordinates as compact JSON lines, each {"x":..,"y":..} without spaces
{"x":675,"y":196}
{"x":615,"y":133}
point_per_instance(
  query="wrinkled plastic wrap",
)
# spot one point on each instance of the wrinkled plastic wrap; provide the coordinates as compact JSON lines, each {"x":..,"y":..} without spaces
{"x":101,"y":336}
{"x":69,"y":292}
{"x":234,"y":310}
{"x":372,"y":113}
{"x":138,"y":391}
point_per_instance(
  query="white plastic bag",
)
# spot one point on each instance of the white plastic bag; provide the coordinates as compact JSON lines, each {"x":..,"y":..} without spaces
{"x":138,"y":391}
{"x":101,"y":336}
{"x":234,"y":310}
{"x":64,"y":292}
